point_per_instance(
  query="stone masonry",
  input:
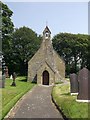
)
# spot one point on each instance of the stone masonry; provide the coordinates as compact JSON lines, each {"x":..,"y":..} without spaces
{"x":46,"y":59}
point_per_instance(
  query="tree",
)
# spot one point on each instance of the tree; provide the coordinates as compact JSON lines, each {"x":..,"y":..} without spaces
{"x":25,"y":44}
{"x":88,"y":55}
{"x":73,"y":48}
{"x":7,"y":30}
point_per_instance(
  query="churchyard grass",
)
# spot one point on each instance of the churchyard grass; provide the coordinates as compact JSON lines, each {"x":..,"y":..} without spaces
{"x":10,"y":94}
{"x":68,"y":104}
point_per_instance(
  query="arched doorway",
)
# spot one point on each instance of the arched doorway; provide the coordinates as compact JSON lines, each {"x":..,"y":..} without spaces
{"x":45,"y":77}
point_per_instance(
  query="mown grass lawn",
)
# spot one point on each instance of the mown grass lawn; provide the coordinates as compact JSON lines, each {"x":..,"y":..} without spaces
{"x":68,"y":104}
{"x":10,"y":95}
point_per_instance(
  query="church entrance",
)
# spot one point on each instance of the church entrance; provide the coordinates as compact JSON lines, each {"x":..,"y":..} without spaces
{"x":45,"y":77}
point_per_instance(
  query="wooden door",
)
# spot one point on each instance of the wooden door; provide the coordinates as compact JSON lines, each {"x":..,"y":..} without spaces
{"x":45,"y":78}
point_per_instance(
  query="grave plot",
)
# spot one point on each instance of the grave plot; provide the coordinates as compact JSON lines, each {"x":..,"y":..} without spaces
{"x":84,"y":87}
{"x":73,"y":84}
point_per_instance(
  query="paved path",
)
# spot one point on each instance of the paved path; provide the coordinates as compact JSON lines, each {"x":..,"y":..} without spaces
{"x":36,"y":104}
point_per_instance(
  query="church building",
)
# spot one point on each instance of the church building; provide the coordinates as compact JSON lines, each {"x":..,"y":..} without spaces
{"x":46,"y":67}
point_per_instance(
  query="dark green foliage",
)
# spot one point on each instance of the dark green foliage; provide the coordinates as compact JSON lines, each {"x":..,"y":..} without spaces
{"x":88,"y":57}
{"x":7,"y":30}
{"x":25,"y":44}
{"x":0,"y":28}
{"x":74,"y":49}
{"x":19,"y":45}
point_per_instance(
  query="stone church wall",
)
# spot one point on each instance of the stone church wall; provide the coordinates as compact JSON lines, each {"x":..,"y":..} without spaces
{"x":33,"y":63}
{"x":51,"y":74}
{"x":46,"y":59}
{"x":60,"y":64}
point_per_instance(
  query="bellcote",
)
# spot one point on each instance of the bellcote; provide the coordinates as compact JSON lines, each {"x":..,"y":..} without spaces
{"x":46,"y":33}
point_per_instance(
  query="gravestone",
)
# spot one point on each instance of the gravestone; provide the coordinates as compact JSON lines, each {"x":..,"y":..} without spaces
{"x":73,"y":84}
{"x":14,"y":77}
{"x":2,"y":81}
{"x":11,"y":77}
{"x":84,"y":86}
{"x":6,"y":72}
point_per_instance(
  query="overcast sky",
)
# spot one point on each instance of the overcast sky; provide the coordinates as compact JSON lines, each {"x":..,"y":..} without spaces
{"x":71,"y":17}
